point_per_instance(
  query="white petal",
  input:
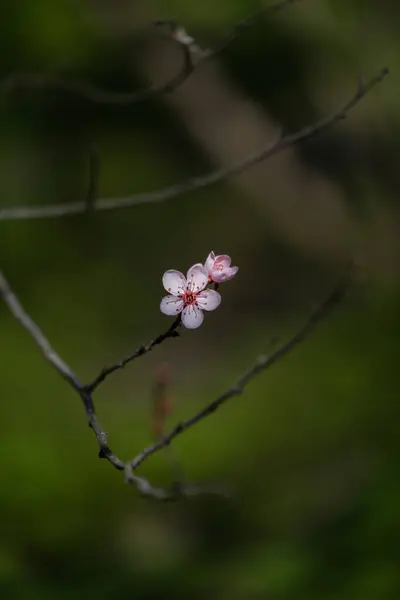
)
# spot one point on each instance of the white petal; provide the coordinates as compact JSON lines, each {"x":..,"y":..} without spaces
{"x":208,"y":300}
{"x":174,"y":282}
{"x":210,"y":262}
{"x":192,"y":316}
{"x":171,"y":305}
{"x":197,"y":278}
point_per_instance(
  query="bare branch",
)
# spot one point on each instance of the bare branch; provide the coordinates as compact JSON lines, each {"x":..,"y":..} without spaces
{"x":201,"y":181}
{"x":93,"y":93}
{"x":191,"y":52}
{"x":248,"y":22}
{"x":143,"y":485}
{"x":64,"y":370}
{"x":106,"y":371}
{"x":261,"y":364}
{"x":176,"y":490}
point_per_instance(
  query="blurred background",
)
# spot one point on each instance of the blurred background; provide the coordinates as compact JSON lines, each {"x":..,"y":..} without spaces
{"x":312,"y":448}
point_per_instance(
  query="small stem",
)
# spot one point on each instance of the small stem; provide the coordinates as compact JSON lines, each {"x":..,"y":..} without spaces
{"x":107,"y":371}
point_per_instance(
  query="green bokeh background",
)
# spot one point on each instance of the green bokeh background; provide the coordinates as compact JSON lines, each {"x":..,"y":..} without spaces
{"x":312,"y":448}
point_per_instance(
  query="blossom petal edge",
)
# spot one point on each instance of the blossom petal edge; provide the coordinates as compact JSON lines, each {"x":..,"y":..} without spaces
{"x":174,"y":282}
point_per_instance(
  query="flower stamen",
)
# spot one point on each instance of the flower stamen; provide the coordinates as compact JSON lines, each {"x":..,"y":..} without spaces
{"x":189,"y":297}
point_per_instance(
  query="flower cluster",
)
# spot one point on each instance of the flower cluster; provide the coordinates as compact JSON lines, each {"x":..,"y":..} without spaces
{"x":189,"y":295}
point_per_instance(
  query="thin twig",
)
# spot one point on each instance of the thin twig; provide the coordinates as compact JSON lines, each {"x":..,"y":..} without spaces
{"x":201,"y":181}
{"x":261,"y":364}
{"x":248,"y":22}
{"x":106,"y":371}
{"x":93,"y":93}
{"x":98,"y":95}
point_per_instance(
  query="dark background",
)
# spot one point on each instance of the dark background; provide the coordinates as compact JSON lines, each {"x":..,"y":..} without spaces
{"x":312,"y":448}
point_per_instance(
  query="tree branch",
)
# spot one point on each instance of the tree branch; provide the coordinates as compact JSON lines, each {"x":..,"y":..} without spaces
{"x":106,"y":371}
{"x":248,"y":22}
{"x":93,"y":93}
{"x":201,"y":181}
{"x":261,"y":364}
{"x":178,"y":489}
{"x":192,"y":56}
{"x":142,"y":484}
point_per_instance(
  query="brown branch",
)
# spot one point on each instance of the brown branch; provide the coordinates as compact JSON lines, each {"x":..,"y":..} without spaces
{"x":192,"y":56}
{"x":171,"y":332}
{"x":248,"y":22}
{"x":201,"y":181}
{"x":260,"y":365}
{"x":106,"y":371}
{"x":142,"y":484}
{"x":176,"y":490}
{"x":93,"y":93}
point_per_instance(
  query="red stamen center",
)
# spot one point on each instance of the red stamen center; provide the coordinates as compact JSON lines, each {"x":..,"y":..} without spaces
{"x":189,"y":297}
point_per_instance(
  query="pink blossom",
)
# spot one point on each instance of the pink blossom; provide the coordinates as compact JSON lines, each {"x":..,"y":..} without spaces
{"x":188,"y":295}
{"x":219,"y":268}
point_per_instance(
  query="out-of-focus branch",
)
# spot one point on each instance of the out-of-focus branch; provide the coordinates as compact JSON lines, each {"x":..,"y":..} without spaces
{"x":93,"y":93}
{"x":106,"y":371}
{"x":175,"y":491}
{"x":261,"y":364}
{"x":192,"y":55}
{"x":248,"y":22}
{"x":201,"y":181}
